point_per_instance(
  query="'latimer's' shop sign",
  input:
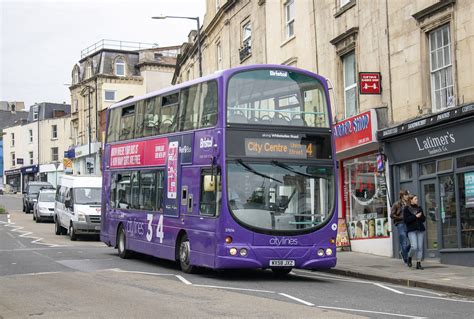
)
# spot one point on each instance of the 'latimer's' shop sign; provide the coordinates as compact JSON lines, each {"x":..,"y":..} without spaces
{"x":434,"y":143}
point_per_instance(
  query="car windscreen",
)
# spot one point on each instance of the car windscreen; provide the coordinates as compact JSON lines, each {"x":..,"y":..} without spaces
{"x":87,"y":196}
{"x":47,"y":197}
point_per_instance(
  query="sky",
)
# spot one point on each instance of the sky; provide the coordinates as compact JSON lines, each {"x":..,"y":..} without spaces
{"x":42,"y":40}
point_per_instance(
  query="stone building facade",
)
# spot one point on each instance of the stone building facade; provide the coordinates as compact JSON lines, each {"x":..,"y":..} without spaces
{"x":108,"y":72}
{"x":391,"y":63}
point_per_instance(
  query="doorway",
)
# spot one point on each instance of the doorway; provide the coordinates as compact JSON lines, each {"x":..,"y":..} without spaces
{"x":429,"y":194}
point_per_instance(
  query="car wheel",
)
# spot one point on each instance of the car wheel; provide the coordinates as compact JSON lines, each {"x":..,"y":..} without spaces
{"x":123,"y":252}
{"x":57,"y":227}
{"x":34,"y":217}
{"x":184,"y":256}
{"x":72,"y":233}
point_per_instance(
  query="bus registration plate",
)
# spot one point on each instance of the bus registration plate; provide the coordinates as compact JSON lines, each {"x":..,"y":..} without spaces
{"x":282,"y":263}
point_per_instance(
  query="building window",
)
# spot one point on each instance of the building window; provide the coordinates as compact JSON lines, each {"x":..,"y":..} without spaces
{"x":441,"y":68}
{"x":54,"y":154}
{"x":365,"y":197}
{"x":31,"y":158}
{"x":342,"y":3}
{"x":54,"y":131}
{"x":75,"y":105}
{"x":219,"y":55}
{"x":109,"y":95}
{"x":120,"y":67}
{"x":289,"y":18}
{"x":350,"y":85}
{"x":89,"y":70}
{"x":75,"y":76}
{"x":13,"y":159}
{"x":246,"y":48}
{"x":30,"y":132}
{"x":35,"y":113}
{"x":13,"y":138}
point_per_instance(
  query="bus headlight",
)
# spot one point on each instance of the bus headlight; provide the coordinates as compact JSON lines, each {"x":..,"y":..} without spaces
{"x":328,"y":251}
{"x":233,"y":251}
{"x":321,"y":252}
{"x":243,"y":252}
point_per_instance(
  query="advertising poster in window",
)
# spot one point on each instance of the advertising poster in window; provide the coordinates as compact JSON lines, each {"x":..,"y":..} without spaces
{"x":342,"y":238}
{"x":469,"y":185}
{"x":172,"y":169}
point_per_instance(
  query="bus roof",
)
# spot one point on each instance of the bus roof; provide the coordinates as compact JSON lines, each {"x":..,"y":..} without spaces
{"x":80,"y":181}
{"x":206,"y":78}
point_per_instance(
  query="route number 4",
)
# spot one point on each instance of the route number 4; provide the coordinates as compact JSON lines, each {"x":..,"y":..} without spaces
{"x":159,"y":228}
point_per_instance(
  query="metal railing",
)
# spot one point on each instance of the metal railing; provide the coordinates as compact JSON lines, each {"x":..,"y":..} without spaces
{"x":116,"y":45}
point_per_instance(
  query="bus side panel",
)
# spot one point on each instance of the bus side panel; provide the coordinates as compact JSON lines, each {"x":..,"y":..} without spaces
{"x":105,"y":208}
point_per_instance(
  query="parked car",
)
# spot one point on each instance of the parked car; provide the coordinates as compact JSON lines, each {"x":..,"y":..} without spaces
{"x":43,"y":208}
{"x":78,"y":206}
{"x":31,"y":194}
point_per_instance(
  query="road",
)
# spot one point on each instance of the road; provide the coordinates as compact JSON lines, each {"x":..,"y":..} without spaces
{"x":49,"y":276}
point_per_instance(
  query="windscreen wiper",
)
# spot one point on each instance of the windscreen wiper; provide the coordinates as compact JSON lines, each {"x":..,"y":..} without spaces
{"x":288,"y":168}
{"x":250,"y":169}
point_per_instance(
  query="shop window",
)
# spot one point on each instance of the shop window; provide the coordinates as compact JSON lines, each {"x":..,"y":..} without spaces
{"x":428,"y":168}
{"x":466,"y":205}
{"x":465,"y":161}
{"x":445,"y":165}
{"x":405,"y":172}
{"x":365,"y":197}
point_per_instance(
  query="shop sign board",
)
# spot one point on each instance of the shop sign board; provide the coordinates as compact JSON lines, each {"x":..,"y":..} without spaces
{"x":370,"y":83}
{"x":433,"y":143}
{"x":356,"y":131}
{"x":469,"y":186}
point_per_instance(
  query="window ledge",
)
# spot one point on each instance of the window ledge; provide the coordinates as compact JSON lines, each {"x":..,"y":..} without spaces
{"x":288,"y":40}
{"x":54,"y":138}
{"x":345,"y":8}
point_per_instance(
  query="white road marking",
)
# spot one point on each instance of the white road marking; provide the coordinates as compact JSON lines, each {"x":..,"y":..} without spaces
{"x":26,"y":234}
{"x":388,"y":288}
{"x":369,"y":311}
{"x":297,"y":299}
{"x":184,"y":280}
{"x":234,"y":288}
{"x":138,"y":272}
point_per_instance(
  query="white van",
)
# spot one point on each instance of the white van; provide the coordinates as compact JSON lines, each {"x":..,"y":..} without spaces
{"x":77,"y":206}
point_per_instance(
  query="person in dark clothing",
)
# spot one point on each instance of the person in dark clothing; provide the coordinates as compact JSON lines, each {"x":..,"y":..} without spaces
{"x":396,"y":214}
{"x":414,"y":218}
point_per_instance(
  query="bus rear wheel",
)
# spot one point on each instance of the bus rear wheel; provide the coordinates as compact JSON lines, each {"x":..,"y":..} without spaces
{"x":123,"y":252}
{"x":184,"y":256}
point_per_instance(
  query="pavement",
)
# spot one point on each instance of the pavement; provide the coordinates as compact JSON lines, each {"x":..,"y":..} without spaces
{"x":436,"y":276}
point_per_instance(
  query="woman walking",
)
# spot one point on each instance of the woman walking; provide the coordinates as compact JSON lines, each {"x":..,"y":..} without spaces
{"x":414,"y":218}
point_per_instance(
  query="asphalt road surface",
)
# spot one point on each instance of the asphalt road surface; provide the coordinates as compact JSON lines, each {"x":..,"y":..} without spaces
{"x":47,"y":276}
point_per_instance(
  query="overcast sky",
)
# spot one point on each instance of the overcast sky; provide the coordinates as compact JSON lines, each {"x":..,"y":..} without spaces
{"x":41,"y":40}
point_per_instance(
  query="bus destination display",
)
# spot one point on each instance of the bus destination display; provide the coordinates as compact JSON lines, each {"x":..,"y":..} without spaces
{"x":277,"y":148}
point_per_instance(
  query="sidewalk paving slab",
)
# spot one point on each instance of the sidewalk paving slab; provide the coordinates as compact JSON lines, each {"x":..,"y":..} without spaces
{"x":436,"y":276}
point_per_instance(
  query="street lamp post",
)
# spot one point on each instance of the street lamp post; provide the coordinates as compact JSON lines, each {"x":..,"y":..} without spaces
{"x":198,"y":36}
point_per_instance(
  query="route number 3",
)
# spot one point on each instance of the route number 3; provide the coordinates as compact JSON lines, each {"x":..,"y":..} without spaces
{"x":159,"y":228}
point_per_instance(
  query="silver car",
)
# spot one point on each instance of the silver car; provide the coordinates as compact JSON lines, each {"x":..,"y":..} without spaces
{"x":43,"y":208}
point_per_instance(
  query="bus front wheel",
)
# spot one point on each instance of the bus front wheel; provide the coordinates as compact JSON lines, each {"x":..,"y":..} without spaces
{"x":123,"y":252}
{"x":184,"y":256}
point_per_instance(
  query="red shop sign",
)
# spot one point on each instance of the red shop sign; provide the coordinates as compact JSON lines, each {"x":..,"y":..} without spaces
{"x":142,"y":153}
{"x":355,"y":131}
{"x":370,"y":83}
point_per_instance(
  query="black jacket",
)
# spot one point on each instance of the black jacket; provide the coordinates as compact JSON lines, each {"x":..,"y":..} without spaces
{"x":411,"y":221}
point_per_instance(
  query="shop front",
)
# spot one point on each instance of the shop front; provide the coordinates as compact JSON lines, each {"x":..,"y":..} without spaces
{"x":51,"y":173}
{"x":29,"y":173}
{"x":13,"y":180}
{"x":433,"y":157}
{"x":363,"y":191}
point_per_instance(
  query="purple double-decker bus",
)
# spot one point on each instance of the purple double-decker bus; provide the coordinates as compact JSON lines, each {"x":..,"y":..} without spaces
{"x":232,"y":170}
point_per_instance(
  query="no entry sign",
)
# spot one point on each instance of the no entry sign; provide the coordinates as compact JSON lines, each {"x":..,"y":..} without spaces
{"x":370,"y":83}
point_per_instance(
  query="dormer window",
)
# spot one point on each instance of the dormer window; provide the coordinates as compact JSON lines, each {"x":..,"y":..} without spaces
{"x":120,"y":67}
{"x":89,"y":70}
{"x":75,"y":75}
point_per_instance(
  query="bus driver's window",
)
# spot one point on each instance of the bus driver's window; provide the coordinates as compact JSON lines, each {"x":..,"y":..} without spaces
{"x":210,"y":192}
